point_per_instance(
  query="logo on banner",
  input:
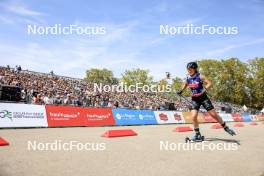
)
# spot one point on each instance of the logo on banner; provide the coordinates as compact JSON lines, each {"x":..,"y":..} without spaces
{"x":22,"y":115}
{"x":133,"y":117}
{"x":177,"y":116}
{"x":146,"y":116}
{"x":118,"y":116}
{"x":163,"y":117}
{"x":64,"y":115}
{"x":96,"y":116}
{"x":140,"y":116}
{"x":125,"y":116}
{"x":6,"y":114}
{"x":19,"y":115}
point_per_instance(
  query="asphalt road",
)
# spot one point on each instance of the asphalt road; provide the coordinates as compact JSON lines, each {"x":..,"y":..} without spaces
{"x":155,"y":151}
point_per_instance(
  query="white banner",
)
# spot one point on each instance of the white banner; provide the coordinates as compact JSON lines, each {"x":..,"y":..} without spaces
{"x":226,"y":117}
{"x":22,"y":115}
{"x":165,"y":117}
{"x":253,"y":118}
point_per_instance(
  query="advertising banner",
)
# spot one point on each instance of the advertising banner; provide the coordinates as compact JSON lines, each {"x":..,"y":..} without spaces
{"x":253,"y":118}
{"x":65,"y":116}
{"x":208,"y":118}
{"x":246,"y":117}
{"x":188,"y":118}
{"x":22,"y":115}
{"x":133,"y":117}
{"x":226,"y":117}
{"x":237,"y":117}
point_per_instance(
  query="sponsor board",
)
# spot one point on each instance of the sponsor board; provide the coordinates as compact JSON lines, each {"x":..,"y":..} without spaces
{"x":188,"y":118}
{"x":133,"y":117}
{"x":226,"y":117}
{"x":246,"y":117}
{"x":65,"y":116}
{"x":208,"y":118}
{"x":237,"y":117}
{"x":22,"y":115}
{"x":253,"y":117}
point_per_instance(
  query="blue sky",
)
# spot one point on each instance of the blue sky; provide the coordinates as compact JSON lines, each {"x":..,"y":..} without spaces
{"x":132,"y":39}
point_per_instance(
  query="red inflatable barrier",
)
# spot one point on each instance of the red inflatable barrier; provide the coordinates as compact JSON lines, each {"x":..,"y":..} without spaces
{"x":253,"y":123}
{"x":3,"y":142}
{"x":119,"y":133}
{"x":183,"y":129}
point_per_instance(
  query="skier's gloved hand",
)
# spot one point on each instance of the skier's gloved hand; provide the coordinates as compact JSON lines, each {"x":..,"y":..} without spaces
{"x":179,"y":92}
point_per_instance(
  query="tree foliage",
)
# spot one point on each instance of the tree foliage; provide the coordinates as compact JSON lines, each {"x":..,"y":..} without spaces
{"x":236,"y":82}
{"x":134,"y":76}
{"x":104,"y":76}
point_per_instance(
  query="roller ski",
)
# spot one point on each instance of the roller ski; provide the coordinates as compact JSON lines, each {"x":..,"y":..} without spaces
{"x":229,"y":131}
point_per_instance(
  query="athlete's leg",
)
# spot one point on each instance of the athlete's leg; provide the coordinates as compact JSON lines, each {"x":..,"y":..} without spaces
{"x":214,"y":114}
{"x":207,"y":104}
{"x":194,"y":115}
{"x":196,"y":103}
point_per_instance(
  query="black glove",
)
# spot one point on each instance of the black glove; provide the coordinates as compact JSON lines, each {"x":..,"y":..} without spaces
{"x":179,"y":92}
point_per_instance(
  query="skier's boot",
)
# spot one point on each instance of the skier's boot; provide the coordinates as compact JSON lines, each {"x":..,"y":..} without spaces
{"x":228,"y":130}
{"x":197,"y":136}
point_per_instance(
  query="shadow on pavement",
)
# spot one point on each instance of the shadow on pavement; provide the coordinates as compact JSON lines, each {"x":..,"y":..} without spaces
{"x":224,"y":140}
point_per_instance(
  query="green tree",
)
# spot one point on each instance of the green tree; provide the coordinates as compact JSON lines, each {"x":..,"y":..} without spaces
{"x":133,"y":76}
{"x":255,"y":82}
{"x":229,"y":78}
{"x":234,"y":78}
{"x":104,"y":76}
{"x":212,"y":70}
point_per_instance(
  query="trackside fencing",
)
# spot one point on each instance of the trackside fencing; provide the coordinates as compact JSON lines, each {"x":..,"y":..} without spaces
{"x":24,"y":115}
